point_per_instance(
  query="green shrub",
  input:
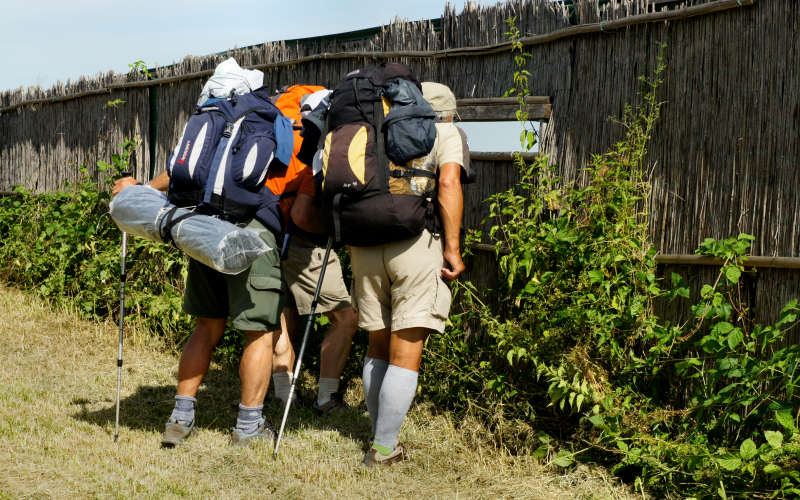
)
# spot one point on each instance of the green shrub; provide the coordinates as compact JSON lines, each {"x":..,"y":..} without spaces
{"x":60,"y":246}
{"x":571,"y":344}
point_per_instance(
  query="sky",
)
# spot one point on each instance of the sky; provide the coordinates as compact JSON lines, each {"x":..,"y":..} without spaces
{"x":45,"y":41}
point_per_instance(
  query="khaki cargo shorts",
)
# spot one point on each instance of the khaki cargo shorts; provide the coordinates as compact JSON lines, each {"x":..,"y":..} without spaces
{"x":301,"y":271}
{"x":399,"y":285}
{"x":253,"y":299}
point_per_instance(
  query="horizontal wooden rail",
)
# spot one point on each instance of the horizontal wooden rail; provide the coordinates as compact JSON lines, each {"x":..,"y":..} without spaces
{"x":691,"y":260}
{"x":502,"y":109}
{"x":750,"y":261}
{"x":583,"y":29}
{"x":499,"y":156}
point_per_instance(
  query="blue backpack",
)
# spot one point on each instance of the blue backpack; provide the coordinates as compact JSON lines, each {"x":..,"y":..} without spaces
{"x":221,"y":160}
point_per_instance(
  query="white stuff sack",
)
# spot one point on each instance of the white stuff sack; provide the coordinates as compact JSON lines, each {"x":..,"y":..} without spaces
{"x":230,"y":77}
{"x":141,"y":210}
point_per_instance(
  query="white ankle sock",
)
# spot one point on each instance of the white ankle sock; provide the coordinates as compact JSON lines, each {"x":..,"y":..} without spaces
{"x":327,"y":386}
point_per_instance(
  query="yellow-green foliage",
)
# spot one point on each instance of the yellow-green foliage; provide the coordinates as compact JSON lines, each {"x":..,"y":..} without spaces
{"x":572,"y":347}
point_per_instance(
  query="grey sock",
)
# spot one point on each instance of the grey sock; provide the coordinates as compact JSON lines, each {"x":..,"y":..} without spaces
{"x":184,"y":409}
{"x":282,"y":382}
{"x":397,"y":392}
{"x":249,"y":418}
{"x":372,"y":376}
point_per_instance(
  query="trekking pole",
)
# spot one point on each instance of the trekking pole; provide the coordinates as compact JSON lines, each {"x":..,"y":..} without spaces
{"x":123,"y":277}
{"x":303,"y":344}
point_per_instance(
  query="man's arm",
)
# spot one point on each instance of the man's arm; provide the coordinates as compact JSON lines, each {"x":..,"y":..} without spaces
{"x":305,"y":215}
{"x":161,"y":183}
{"x":451,"y":208}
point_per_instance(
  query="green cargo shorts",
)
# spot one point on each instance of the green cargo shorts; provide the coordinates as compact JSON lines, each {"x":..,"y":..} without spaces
{"x":252,"y":299}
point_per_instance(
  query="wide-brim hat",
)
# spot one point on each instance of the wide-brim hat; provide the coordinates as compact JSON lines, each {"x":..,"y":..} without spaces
{"x":439,"y":96}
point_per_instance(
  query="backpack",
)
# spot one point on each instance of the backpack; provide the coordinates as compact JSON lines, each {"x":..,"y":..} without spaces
{"x":221,"y":160}
{"x":378,"y":122}
{"x":289,"y":101}
{"x":294,"y":101}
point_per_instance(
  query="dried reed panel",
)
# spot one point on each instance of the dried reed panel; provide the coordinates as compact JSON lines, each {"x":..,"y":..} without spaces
{"x":724,"y":155}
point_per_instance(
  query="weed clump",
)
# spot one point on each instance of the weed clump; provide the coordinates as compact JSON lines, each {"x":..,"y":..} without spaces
{"x":573,"y":350}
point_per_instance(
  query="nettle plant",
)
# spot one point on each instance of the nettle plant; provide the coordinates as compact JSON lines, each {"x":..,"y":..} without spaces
{"x":60,"y":246}
{"x":709,"y":407}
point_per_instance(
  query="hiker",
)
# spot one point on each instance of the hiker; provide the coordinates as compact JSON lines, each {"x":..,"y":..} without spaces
{"x":252,"y":300}
{"x":304,"y":236}
{"x":234,"y":137}
{"x":399,"y":287}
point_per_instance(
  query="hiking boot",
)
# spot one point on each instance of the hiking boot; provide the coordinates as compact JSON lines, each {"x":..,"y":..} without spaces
{"x":335,"y":403}
{"x":175,"y":433}
{"x":373,"y":457}
{"x":264,"y":432}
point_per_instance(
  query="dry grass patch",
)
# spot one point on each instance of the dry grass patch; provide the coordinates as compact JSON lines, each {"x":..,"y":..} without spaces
{"x":57,"y":388}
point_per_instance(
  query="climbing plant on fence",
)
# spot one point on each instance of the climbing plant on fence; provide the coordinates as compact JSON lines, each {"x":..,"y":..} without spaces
{"x":571,"y":347}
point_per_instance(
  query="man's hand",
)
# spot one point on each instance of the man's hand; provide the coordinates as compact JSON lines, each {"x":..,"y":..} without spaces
{"x":161,"y":182}
{"x":453,"y":265}
{"x":121,"y":184}
{"x":451,"y":208}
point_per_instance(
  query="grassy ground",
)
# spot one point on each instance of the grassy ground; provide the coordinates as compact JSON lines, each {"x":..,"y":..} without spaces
{"x":57,"y":388}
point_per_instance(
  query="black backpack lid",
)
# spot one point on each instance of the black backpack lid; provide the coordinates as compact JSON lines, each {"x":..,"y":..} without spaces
{"x":384,"y":72}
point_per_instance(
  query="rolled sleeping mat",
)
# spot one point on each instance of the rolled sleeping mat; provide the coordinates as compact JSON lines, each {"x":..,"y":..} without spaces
{"x":142,"y":211}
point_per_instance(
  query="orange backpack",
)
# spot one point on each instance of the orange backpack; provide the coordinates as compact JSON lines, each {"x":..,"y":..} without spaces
{"x":288,"y":101}
{"x":285,"y":184}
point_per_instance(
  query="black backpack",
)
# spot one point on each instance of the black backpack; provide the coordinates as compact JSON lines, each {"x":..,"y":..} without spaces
{"x":378,"y":123}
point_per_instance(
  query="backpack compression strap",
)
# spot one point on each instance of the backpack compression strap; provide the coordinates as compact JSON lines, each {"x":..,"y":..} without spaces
{"x":165,"y":228}
{"x":412,"y":172}
{"x":337,"y":218}
{"x":382,"y":172}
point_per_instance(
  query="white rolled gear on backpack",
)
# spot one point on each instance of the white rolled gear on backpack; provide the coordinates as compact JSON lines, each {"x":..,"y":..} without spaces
{"x":217,"y":173}
{"x":142,"y":211}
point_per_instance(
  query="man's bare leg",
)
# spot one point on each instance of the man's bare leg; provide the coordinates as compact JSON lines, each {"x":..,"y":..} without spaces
{"x":399,"y":385}
{"x":283,"y":357}
{"x":256,"y":366}
{"x":334,"y":351}
{"x":196,"y":355}
{"x":254,"y":371}
{"x":193,"y":366}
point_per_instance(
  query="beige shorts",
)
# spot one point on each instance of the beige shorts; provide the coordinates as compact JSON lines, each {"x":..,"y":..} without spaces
{"x":301,"y":272}
{"x":399,"y":285}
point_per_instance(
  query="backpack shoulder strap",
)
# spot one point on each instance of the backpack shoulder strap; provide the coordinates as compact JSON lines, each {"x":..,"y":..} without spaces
{"x":382,"y":170}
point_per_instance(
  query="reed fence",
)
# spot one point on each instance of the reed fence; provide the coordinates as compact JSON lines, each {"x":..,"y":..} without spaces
{"x":724,"y":156}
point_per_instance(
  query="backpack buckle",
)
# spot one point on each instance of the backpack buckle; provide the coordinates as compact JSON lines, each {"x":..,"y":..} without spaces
{"x":228,"y":130}
{"x":398,"y":174}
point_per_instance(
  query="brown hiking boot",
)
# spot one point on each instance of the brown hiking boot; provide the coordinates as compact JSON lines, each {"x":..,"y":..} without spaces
{"x":175,"y":433}
{"x":373,"y":457}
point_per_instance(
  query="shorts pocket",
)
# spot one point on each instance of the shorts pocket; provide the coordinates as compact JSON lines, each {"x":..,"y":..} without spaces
{"x":265,"y":273}
{"x":441,"y":298}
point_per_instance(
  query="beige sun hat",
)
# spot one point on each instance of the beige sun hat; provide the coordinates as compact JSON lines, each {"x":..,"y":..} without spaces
{"x":439,"y":96}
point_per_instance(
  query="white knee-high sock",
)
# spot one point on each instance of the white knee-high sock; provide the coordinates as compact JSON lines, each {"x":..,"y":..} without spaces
{"x":372,"y":376}
{"x":397,"y":391}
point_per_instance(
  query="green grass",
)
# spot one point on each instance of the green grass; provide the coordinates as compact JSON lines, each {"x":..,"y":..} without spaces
{"x":57,"y":389}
